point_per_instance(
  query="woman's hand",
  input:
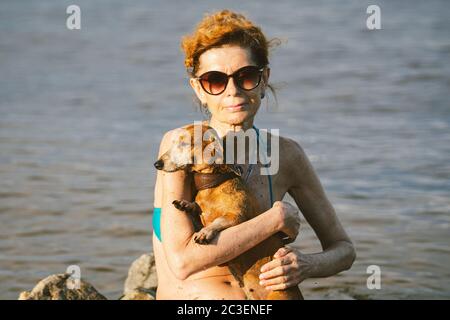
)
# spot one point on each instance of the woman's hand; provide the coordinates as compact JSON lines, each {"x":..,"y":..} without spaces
{"x":288,"y":268}
{"x":289,"y":220}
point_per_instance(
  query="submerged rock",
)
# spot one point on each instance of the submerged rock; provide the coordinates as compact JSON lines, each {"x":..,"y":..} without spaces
{"x":55,"y":287}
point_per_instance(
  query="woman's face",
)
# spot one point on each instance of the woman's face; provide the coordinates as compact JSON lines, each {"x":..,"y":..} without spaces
{"x":234,"y":106}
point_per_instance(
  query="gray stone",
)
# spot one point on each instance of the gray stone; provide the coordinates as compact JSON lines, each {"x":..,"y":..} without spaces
{"x":55,"y":287}
{"x":139,"y":295}
{"x":142,"y":278}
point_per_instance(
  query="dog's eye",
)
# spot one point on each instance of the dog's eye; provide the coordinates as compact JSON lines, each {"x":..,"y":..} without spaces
{"x":184,"y":144}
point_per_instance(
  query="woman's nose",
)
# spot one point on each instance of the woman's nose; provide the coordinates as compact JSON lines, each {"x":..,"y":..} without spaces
{"x":232,"y":89}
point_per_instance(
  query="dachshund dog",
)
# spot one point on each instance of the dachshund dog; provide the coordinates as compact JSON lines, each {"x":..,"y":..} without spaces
{"x":222,"y":200}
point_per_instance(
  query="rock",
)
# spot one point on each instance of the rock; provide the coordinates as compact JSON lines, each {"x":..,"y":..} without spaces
{"x":55,"y":287}
{"x":24,"y":295}
{"x":142,"y":279}
{"x":140,"y":284}
{"x":139,"y":295}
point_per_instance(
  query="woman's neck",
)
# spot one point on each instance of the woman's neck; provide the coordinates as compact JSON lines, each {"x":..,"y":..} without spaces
{"x":223,"y":128}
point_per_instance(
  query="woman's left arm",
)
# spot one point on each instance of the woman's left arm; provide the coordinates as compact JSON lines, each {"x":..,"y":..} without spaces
{"x":289,"y":266}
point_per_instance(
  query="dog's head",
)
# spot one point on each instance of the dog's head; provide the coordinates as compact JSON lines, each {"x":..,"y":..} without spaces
{"x":195,"y":148}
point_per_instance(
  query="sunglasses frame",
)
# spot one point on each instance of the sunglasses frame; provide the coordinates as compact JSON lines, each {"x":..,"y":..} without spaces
{"x":233,"y":75}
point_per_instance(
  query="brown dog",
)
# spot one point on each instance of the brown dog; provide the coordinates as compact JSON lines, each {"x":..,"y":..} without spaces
{"x":223,"y":200}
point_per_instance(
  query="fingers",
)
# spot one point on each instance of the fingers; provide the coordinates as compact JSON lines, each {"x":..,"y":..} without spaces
{"x":274,"y":281}
{"x":280,"y":283}
{"x":270,"y":265}
{"x":282,"y":252}
{"x":276,"y":268}
{"x":278,"y":259}
{"x":283,"y":271}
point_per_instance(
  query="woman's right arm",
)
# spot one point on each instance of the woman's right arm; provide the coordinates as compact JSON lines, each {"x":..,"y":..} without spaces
{"x":185,"y":257}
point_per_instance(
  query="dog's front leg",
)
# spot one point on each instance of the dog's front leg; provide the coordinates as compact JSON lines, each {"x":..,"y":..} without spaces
{"x":190,"y":207}
{"x":193,"y":209}
{"x":205,"y":235}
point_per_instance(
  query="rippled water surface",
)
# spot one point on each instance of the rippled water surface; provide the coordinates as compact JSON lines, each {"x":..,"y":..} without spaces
{"x":82,"y":113}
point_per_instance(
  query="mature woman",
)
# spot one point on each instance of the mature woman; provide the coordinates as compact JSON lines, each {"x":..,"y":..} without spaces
{"x":227,"y":59}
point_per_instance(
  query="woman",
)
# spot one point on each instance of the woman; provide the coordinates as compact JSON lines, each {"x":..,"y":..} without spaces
{"x":229,"y":43}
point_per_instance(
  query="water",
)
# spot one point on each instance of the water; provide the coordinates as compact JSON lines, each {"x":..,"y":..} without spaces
{"x":82,"y":113}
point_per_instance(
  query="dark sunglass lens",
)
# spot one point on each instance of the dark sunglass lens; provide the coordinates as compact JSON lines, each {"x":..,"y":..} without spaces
{"x":214,"y":82}
{"x":248,"y":78}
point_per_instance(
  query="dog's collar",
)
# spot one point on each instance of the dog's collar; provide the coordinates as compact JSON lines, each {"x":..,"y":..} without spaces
{"x":210,"y":180}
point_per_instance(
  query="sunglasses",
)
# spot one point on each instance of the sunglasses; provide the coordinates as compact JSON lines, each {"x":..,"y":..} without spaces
{"x":246,"y":78}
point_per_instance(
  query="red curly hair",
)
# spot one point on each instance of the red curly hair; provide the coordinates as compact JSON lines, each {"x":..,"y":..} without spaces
{"x":225,"y":28}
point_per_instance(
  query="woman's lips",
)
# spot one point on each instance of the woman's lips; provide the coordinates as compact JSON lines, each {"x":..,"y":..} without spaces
{"x":236,"y":107}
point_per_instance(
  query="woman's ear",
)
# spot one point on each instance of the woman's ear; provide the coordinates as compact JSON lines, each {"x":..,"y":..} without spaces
{"x":266,"y":75}
{"x":198,"y":90}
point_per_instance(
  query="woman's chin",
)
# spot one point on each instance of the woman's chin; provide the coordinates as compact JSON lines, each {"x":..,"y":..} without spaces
{"x":237,"y":118}
{"x":237,"y":121}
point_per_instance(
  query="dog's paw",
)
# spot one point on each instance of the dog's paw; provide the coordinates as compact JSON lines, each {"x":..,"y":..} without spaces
{"x":182,"y":205}
{"x":205,"y":235}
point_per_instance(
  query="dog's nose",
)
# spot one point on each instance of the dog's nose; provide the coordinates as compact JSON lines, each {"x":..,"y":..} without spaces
{"x":159,"y":164}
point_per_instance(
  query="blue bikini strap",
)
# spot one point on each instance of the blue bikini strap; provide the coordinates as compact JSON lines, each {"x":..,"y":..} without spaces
{"x":268,"y":176}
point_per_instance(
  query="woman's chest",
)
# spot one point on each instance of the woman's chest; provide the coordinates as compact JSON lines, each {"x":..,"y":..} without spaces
{"x":265,"y":188}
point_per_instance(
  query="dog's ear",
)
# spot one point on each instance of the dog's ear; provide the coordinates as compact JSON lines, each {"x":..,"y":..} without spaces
{"x":212,"y":150}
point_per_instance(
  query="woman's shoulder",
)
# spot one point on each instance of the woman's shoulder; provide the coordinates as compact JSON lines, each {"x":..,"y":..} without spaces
{"x":287,"y":146}
{"x":290,"y":146}
{"x":292,"y":154}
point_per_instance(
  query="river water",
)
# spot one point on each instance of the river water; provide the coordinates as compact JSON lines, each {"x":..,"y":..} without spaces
{"x":82,"y":113}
